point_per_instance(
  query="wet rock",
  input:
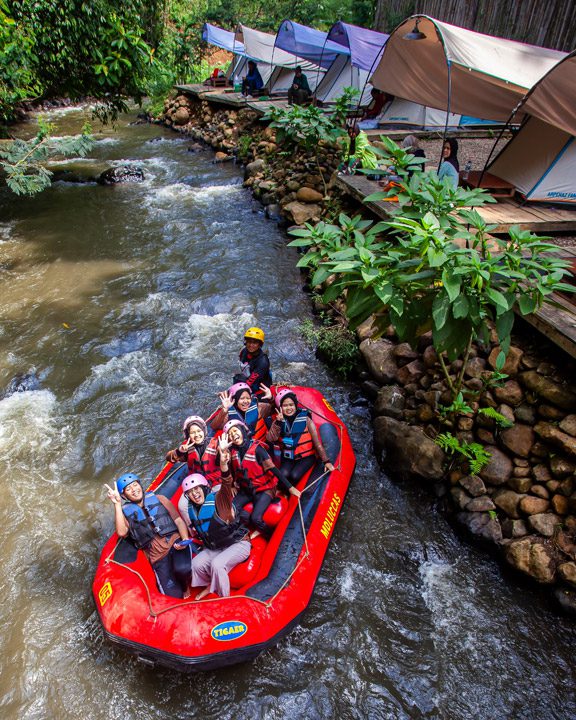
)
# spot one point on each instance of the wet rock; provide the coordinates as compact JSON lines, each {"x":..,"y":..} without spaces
{"x":519,"y":439}
{"x":121,"y":174}
{"x":379,"y":356}
{"x":407,"y":449}
{"x":499,"y":469}
{"x":545,"y":524}
{"x":559,"y":504}
{"x":533,"y":505}
{"x":555,"y":436}
{"x":181,"y":116}
{"x":540,"y":491}
{"x":460,"y":497}
{"x":370,"y":388}
{"x":513,"y":359}
{"x":390,"y":402}
{"x":514,"y":528}
{"x":549,"y":412}
{"x":561,"y":467}
{"x":425,"y":414}
{"x":410,"y":373}
{"x":560,"y":395}
{"x":404,"y":354}
{"x":485,"y":436}
{"x":531,"y":558}
{"x":272,"y":211}
{"x":366,"y":329}
{"x":24,"y":382}
{"x":475,"y":367}
{"x":566,"y":487}
{"x":525,"y":414}
{"x":473,"y":485}
{"x":429,"y":357}
{"x":301,"y":212}
{"x":541,"y":474}
{"x":307,"y":195}
{"x":253,"y":168}
{"x":566,"y":599}
{"x":481,"y":525}
{"x":509,"y":502}
{"x":480,"y":504}
{"x":567,"y":572}
{"x":222,"y":157}
{"x":520,"y":484}
{"x":510,"y":393}
{"x":568,"y":425}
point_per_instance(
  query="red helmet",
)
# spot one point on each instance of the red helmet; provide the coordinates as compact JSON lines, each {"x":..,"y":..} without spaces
{"x":193,"y":420}
{"x":192,"y":481}
{"x":281,"y":394}
{"x":235,"y":423}
{"x":238,"y":387}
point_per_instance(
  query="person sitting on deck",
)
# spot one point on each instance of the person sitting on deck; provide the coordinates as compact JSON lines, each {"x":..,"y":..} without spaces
{"x":155,"y":526}
{"x":300,"y":443}
{"x":252,"y":83}
{"x":218,"y":526}
{"x":255,"y":475}
{"x":411,"y":144}
{"x":254,"y":362}
{"x":198,"y":450}
{"x":238,"y":403}
{"x":450,"y":167}
{"x":299,"y":91}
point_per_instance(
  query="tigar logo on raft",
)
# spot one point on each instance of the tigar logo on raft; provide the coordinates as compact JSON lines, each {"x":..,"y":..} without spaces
{"x":229,"y":630}
{"x":330,"y":515}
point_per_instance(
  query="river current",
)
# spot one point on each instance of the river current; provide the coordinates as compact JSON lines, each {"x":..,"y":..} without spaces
{"x":127,"y":305}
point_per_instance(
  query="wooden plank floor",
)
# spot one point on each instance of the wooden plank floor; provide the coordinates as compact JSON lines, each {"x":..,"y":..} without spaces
{"x":505,"y":213}
{"x":558,"y":324}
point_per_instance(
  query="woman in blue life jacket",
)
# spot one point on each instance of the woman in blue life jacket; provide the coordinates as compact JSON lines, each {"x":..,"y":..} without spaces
{"x":254,"y":362}
{"x":156,"y":528}
{"x":300,"y":444}
{"x":238,"y":403}
{"x":198,"y":450}
{"x":219,"y":527}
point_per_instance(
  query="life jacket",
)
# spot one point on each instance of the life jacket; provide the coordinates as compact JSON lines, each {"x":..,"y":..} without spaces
{"x":296,"y":439}
{"x":248,"y":472}
{"x":259,"y":363}
{"x":251,"y":419}
{"x":200,"y":519}
{"x":149,"y":521}
{"x":206,"y":465}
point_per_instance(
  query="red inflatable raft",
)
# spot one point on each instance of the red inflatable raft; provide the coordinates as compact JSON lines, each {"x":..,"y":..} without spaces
{"x":269,"y":591}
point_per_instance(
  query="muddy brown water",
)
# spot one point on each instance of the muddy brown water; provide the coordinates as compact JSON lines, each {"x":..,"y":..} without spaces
{"x":126,"y":305}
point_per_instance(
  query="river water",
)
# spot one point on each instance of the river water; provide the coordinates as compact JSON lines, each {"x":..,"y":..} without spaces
{"x":128,"y":304}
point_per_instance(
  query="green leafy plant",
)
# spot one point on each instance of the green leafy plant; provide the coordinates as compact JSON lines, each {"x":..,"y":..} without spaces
{"x":244,"y":143}
{"x":344,"y":103}
{"x":497,"y":377}
{"x":458,"y":406}
{"x":474,"y":454}
{"x":334,"y":343}
{"x":435,"y":268}
{"x":23,"y":161}
{"x":498,"y":418}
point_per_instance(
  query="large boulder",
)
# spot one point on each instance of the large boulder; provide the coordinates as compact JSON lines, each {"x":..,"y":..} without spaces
{"x":555,"y":436}
{"x":390,"y":401}
{"x":253,"y":168}
{"x":560,"y":395}
{"x":407,"y":449}
{"x":301,"y":213}
{"x":121,"y":174}
{"x":380,"y":358}
{"x":519,"y":439}
{"x":532,"y":558}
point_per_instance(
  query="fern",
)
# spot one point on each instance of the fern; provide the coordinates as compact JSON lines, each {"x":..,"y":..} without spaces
{"x":476,"y":455}
{"x":498,"y":418}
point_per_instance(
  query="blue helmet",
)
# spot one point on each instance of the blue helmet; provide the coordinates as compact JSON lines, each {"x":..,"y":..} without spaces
{"x":125,"y":480}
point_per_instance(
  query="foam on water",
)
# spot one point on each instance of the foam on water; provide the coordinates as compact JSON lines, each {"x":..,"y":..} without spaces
{"x":207,"y":194}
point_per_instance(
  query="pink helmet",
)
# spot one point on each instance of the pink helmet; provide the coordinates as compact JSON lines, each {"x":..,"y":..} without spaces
{"x":237,"y":387}
{"x":192,"y":481}
{"x":235,"y":423}
{"x":193,"y":420}
{"x":281,"y":394}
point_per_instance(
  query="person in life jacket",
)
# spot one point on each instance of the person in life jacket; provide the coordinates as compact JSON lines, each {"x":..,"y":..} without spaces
{"x":254,"y":362}
{"x":198,"y":450}
{"x":297,"y":434}
{"x":155,"y":527}
{"x":253,"y":471}
{"x":217,"y":524}
{"x":238,"y":403}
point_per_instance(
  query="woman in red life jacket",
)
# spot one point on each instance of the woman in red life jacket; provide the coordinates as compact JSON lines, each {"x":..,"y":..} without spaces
{"x":254,"y":472}
{"x":300,"y":443}
{"x":238,"y":403}
{"x":198,"y":450}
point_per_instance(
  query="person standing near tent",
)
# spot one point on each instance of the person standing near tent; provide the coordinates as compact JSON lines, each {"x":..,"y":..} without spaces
{"x":299,"y":91}
{"x":253,"y":82}
{"x":450,"y":167}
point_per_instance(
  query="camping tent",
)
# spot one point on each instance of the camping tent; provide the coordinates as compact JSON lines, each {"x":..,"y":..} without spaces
{"x":458,"y":70}
{"x":308,"y":43}
{"x":403,"y":113}
{"x":540,"y":160}
{"x":280,"y":65}
{"x":226,"y":40}
{"x":352,"y":69}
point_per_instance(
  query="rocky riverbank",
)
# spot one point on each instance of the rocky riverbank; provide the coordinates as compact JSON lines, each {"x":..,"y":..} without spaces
{"x":522,"y":504}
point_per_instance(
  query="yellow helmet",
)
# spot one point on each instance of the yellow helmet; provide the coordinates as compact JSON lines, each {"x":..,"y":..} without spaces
{"x":254,"y":333}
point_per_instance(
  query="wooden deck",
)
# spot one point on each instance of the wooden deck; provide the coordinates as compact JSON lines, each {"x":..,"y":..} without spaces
{"x":503,"y":214}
